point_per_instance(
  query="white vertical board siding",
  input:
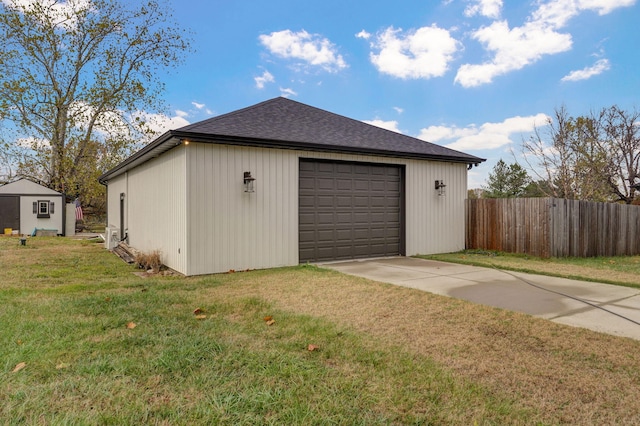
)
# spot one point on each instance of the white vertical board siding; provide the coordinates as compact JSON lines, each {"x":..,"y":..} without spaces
{"x":156,"y":208}
{"x":435,"y":223}
{"x":115,"y":187}
{"x":230,"y":229}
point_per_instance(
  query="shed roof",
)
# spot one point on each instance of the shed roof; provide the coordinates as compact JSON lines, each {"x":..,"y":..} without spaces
{"x":287,"y":124}
{"x":26,"y":187}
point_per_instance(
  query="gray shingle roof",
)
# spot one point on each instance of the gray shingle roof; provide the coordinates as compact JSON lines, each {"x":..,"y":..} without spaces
{"x":287,"y":124}
{"x":296,"y":125}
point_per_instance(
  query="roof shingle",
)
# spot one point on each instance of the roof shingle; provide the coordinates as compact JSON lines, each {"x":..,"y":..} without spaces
{"x":286,"y":124}
{"x":300,"y":125}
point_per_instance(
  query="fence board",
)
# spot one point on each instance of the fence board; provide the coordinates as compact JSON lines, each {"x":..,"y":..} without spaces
{"x":553,"y":227}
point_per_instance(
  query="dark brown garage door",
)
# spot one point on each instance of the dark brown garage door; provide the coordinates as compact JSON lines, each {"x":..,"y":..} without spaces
{"x":349,"y":210}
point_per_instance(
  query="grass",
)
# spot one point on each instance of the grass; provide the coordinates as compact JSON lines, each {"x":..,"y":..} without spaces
{"x":104,"y":346}
{"x":619,"y":270}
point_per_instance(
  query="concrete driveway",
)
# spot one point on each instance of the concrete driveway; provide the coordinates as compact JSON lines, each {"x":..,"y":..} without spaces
{"x":600,"y":307}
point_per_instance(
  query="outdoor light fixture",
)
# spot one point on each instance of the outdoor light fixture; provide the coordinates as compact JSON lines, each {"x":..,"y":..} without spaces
{"x":248,"y":182}
{"x":440,"y":187}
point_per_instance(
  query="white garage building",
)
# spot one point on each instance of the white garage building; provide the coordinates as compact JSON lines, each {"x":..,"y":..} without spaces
{"x":282,"y":183}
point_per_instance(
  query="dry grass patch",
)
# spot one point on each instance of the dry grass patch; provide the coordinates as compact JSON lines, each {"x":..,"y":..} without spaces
{"x":149,"y":261}
{"x":566,"y":374}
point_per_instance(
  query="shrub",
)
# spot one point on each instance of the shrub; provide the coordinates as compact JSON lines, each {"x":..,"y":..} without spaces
{"x":148,"y":261}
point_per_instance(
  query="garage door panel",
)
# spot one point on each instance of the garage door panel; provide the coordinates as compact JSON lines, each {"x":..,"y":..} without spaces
{"x":360,"y":218}
{"x":307,"y":200}
{"x":392,"y":186}
{"x":361,"y":185}
{"x":325,"y":201}
{"x":378,"y":186}
{"x":361,"y":169}
{"x":307,"y":219}
{"x":325,"y":236}
{"x":351,"y":211}
{"x":344,"y":184}
{"x":344,"y":235}
{"x":327,"y":184}
{"x":325,"y":218}
{"x":392,"y":202}
{"x":344,"y":201}
{"x":378,"y":201}
{"x":360,"y":201}
{"x":324,"y":167}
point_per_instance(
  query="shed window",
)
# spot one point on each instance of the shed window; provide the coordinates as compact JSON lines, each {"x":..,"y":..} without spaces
{"x":44,"y":209}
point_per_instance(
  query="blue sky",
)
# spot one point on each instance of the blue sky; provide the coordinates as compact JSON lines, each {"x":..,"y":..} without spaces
{"x":473,"y":75}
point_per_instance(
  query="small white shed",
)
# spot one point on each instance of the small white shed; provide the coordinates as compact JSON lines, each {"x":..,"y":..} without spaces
{"x":26,"y":205}
{"x":282,"y":183}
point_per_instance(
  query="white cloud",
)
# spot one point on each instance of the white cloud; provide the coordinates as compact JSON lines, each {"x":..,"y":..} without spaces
{"x":310,"y":48}
{"x":286,"y":92}
{"x":265,"y":78}
{"x":161,"y":123}
{"x":488,"y":8}
{"x":604,"y":6}
{"x":487,"y":136}
{"x":515,"y":48}
{"x":598,"y":68}
{"x":197,"y":105}
{"x":398,"y":110}
{"x":437,"y":133}
{"x":181,"y":114}
{"x":61,"y":12}
{"x":389,"y":125}
{"x":424,"y":53}
{"x":363,"y":34}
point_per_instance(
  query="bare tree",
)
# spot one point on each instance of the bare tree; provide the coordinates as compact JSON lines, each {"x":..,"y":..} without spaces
{"x":75,"y":77}
{"x":622,"y":142}
{"x":568,"y":159}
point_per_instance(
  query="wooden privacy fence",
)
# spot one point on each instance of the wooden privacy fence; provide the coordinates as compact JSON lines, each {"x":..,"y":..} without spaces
{"x":553,"y":227}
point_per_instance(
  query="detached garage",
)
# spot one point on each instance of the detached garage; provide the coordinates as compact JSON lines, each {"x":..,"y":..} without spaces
{"x":282,"y":183}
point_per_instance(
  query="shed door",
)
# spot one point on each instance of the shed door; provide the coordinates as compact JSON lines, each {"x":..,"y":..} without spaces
{"x":350,"y":210}
{"x":9,"y":212}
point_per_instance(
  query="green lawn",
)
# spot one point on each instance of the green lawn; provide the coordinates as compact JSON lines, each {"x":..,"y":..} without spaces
{"x":85,"y":341}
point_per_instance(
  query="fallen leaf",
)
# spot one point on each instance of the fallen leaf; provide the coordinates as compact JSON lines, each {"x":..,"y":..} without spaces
{"x":107,"y":299}
{"x":268,"y":318}
{"x":271,"y":322}
{"x":19,"y":367}
{"x":19,"y":342}
{"x":231,"y":271}
{"x":201,"y":317}
{"x":312,"y":348}
{"x":197,"y":311}
{"x":131,"y":325}
{"x":62,"y":365}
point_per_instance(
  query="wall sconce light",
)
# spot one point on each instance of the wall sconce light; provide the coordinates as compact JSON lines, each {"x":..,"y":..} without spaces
{"x":248,"y":182}
{"x":440,"y":187}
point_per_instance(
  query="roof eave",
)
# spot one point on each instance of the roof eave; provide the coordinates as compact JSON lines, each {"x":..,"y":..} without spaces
{"x":153,"y":149}
{"x":271,"y":143}
{"x":167,"y":141}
